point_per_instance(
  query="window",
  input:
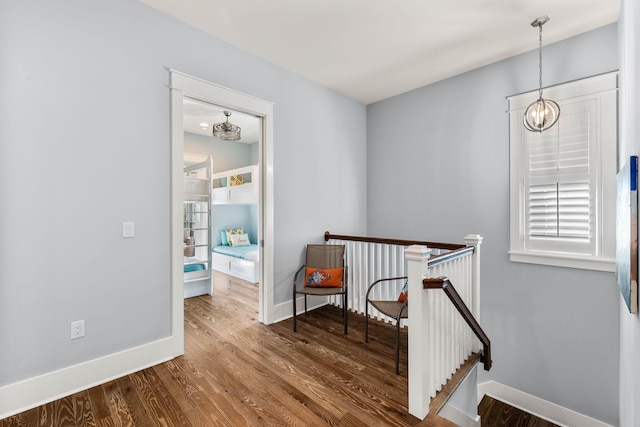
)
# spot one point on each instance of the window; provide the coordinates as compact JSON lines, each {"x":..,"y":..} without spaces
{"x":563,"y":180}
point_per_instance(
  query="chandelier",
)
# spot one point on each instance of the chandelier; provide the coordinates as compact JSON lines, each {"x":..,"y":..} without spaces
{"x":226,"y":131}
{"x":543,"y":113}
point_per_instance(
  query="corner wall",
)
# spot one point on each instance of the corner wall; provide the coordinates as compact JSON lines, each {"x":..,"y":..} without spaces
{"x":85,"y":134}
{"x":438,"y":166}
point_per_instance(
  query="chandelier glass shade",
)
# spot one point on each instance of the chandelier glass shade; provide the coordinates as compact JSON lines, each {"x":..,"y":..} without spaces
{"x":226,"y":130}
{"x":543,"y":113}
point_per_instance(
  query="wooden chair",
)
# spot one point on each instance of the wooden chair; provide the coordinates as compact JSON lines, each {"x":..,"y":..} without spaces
{"x":396,"y":309}
{"x":324,"y":273}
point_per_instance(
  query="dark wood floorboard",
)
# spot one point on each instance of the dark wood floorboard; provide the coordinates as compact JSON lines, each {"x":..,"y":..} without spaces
{"x":238,"y":372}
{"x":495,"y":413}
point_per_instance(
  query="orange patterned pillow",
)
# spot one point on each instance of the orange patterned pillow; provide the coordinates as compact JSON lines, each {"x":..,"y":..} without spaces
{"x":404,"y":293}
{"x":323,"y":278}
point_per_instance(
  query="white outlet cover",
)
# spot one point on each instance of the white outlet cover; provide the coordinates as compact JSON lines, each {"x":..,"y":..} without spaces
{"x":77,"y":329}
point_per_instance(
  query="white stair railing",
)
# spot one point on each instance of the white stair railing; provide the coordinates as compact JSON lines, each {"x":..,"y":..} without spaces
{"x":370,"y":259}
{"x":442,"y":340}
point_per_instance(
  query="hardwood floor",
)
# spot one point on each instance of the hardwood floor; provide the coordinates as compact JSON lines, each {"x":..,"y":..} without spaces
{"x":238,"y":372}
{"x":498,"y":414}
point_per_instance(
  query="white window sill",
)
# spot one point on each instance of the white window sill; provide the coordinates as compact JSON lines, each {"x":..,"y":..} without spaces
{"x":564,"y":261}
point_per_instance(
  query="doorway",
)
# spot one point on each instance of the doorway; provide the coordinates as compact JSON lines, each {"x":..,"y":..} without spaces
{"x":185,"y":87}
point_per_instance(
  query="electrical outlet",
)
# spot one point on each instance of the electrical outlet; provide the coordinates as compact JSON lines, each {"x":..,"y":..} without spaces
{"x":77,"y":329}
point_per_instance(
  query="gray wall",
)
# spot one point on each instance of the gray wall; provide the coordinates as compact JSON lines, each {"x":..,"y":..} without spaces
{"x":226,"y":154}
{"x":629,"y":38}
{"x":438,"y":169}
{"x":85,"y":145}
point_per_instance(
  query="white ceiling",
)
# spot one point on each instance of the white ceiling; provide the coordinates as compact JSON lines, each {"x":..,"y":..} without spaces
{"x":373,"y":49}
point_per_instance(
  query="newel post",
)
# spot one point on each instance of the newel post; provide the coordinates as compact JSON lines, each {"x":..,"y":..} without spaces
{"x":417,"y":258}
{"x":475,"y":240}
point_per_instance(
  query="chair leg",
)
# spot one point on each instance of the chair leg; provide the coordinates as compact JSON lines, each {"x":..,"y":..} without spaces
{"x":398,"y":347}
{"x":344,"y":311}
{"x":295,"y":329}
{"x":305,"y":304}
{"x":366,"y":323}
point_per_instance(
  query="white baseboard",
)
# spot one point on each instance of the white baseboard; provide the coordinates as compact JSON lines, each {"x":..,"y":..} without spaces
{"x":36,"y":391}
{"x":284,"y":310}
{"x":539,"y":407}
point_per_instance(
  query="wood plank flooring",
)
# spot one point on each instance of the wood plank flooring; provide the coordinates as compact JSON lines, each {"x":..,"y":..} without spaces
{"x":495,"y":413}
{"x":238,"y":372}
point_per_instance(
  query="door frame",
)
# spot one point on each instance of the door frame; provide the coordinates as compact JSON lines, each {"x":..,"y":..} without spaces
{"x":183,"y":85}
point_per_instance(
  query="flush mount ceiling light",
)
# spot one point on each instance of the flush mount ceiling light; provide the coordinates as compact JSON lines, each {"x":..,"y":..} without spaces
{"x":226,"y":130}
{"x":543,"y":113}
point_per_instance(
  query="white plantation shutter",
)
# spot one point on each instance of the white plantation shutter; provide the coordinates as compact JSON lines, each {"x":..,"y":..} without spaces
{"x":558,"y":184}
{"x":557,"y":205}
{"x":562,"y":210}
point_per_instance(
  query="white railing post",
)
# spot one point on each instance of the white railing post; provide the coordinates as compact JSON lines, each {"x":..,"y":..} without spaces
{"x":419,"y":382}
{"x":475,"y":240}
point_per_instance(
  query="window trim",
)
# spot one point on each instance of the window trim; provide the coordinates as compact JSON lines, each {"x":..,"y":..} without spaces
{"x":603,"y":88}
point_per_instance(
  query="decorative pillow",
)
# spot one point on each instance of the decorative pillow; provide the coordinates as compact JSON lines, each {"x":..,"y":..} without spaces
{"x":240,"y":240}
{"x":237,"y":179}
{"x":323,"y":278}
{"x":231,"y":232}
{"x":223,"y":238}
{"x":404,"y":293}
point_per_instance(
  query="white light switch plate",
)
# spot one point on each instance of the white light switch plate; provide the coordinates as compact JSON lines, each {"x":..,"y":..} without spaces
{"x":128,"y":229}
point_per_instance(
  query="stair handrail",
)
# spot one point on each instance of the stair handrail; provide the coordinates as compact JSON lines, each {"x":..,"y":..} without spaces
{"x":445,"y":284}
{"x":433,"y":245}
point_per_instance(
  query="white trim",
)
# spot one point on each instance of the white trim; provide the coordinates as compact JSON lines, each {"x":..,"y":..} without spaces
{"x":198,"y":88}
{"x":597,"y":254}
{"x":284,"y":310}
{"x":534,"y":405}
{"x":588,"y":86}
{"x":267,"y":279}
{"x":36,"y":391}
{"x":182,"y":85}
{"x":176,"y":232}
{"x":563,"y":261}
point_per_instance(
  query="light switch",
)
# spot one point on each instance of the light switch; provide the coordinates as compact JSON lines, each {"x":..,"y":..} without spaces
{"x":128,"y":229}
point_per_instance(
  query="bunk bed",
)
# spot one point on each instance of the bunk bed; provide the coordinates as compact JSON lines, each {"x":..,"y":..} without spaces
{"x":238,"y":257}
{"x":197,"y":226}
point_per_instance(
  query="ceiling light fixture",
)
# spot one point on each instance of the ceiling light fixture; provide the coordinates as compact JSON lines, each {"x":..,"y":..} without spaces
{"x":226,"y":131}
{"x":204,"y":126}
{"x":543,"y":113}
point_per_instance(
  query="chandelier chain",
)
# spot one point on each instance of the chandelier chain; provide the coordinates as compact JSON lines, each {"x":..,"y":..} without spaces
{"x":542,"y":113}
{"x":540,"y":59}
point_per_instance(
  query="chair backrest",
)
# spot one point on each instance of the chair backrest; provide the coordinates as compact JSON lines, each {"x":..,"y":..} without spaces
{"x":325,"y":256}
